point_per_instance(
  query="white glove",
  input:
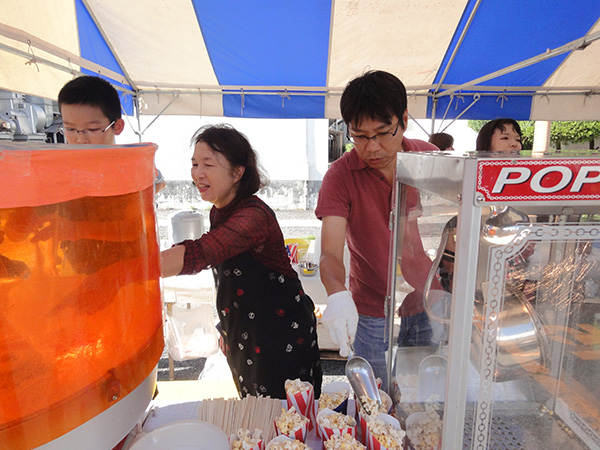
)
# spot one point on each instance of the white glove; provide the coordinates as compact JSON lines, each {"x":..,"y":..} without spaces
{"x":341,"y":319}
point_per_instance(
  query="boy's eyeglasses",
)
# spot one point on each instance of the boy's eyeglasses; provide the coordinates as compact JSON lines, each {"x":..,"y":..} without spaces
{"x":379,"y":137}
{"x":86,"y":131}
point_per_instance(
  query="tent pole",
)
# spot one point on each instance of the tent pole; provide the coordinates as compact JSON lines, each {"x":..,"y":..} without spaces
{"x":137,"y":116}
{"x":418,"y":124}
{"x":541,"y":136}
{"x":433,"y":112}
{"x":458,"y":44}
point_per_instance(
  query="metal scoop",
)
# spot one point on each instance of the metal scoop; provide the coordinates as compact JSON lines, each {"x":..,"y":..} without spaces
{"x":362,"y":379}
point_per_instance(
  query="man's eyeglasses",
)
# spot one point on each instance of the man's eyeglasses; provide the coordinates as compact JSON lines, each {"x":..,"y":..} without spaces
{"x":85,"y":131}
{"x":380,"y":138}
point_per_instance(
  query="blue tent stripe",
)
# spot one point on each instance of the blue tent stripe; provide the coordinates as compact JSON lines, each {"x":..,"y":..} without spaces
{"x":93,"y":47}
{"x":500,"y":37}
{"x":268,"y":43}
{"x":488,"y":107}
{"x":273,"y":106}
{"x":455,"y":38}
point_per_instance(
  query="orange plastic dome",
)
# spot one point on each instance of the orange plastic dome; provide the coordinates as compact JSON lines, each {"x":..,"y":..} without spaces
{"x":81,"y":322}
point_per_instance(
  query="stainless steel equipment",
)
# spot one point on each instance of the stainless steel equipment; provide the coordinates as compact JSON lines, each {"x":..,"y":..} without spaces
{"x":516,"y":335}
{"x":518,"y":323}
{"x":187,"y":225}
{"x":361,"y":378}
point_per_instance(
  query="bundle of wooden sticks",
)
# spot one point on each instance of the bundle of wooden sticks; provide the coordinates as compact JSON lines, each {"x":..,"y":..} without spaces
{"x":248,"y":413}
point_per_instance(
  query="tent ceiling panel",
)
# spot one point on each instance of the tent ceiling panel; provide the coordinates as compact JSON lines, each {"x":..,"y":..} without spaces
{"x":17,"y":72}
{"x":581,"y":69}
{"x":407,"y":38}
{"x":170,"y":29}
{"x":267,"y":58}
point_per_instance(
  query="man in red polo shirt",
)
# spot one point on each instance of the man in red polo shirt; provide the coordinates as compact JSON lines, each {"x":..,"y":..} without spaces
{"x":354,"y":205}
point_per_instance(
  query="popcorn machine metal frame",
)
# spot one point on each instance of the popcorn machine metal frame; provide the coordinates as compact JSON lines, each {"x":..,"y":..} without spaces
{"x":482,"y":405}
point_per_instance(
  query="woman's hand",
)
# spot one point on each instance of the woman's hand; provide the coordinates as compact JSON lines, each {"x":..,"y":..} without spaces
{"x":171,"y":261}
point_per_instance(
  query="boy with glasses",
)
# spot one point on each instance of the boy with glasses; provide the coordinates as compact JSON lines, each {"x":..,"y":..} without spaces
{"x":354,"y":205}
{"x":91,"y":112}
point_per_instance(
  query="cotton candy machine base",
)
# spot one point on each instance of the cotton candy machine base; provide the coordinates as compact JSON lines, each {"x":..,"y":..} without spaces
{"x":107,"y":429}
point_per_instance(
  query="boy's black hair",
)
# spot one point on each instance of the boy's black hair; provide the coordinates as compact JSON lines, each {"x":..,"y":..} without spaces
{"x":93,"y":91}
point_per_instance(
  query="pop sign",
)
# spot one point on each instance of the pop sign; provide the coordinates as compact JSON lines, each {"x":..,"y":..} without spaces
{"x":539,"y":179}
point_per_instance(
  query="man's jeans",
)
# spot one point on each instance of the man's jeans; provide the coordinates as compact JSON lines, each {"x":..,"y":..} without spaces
{"x":371,"y":341}
{"x":415,"y":331}
{"x":371,"y":344}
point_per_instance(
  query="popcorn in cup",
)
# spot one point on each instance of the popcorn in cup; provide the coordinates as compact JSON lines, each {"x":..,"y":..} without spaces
{"x":244,"y":440}
{"x":424,"y":430}
{"x":330,"y":423}
{"x":301,"y":395}
{"x":371,"y":405}
{"x":335,"y":397}
{"x":286,"y":443}
{"x":290,"y":423}
{"x":384,"y":433}
{"x":343,"y":441}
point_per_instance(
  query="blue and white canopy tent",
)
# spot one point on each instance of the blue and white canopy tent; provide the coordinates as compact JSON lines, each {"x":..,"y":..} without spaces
{"x":469,"y":59}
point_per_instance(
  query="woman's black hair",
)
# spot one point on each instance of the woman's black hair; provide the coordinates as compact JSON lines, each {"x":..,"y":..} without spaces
{"x":232,"y":144}
{"x":484,"y":138}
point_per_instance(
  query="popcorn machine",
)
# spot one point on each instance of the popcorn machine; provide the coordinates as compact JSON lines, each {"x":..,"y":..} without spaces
{"x":513,"y":300}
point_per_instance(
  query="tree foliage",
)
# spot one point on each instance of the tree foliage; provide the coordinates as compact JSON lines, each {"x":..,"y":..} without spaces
{"x":563,"y":132}
{"x":560,"y":132}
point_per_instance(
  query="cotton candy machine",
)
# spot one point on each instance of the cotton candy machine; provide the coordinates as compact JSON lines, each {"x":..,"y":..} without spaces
{"x":81,"y":324}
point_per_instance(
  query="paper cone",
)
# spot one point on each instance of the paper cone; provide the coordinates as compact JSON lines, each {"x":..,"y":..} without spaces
{"x":304,"y":402}
{"x":326,"y":432}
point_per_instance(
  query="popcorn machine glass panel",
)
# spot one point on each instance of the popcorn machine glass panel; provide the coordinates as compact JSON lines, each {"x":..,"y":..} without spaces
{"x":513,"y":300}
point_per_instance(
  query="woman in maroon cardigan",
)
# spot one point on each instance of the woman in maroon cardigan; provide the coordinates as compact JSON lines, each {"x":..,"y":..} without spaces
{"x":267,"y":321}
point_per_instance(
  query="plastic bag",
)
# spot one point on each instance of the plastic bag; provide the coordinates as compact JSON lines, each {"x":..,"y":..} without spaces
{"x":216,"y":368}
{"x":190,"y":333}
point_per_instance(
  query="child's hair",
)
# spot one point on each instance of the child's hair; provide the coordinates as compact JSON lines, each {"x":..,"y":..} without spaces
{"x":92,"y":91}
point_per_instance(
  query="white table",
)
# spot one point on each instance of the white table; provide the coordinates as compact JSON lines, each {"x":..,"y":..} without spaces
{"x":164,"y":413}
